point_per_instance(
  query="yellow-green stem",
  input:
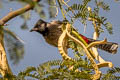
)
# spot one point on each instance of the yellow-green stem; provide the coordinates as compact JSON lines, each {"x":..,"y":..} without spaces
{"x":75,"y":33}
{"x":61,"y":9}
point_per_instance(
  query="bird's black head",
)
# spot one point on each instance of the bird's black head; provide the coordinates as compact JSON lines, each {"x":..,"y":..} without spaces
{"x":40,"y":26}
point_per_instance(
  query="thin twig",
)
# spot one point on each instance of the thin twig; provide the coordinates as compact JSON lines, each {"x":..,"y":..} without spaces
{"x":61,"y":9}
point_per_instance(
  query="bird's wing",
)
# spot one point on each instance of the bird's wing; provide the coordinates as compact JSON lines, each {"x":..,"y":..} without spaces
{"x":56,"y":22}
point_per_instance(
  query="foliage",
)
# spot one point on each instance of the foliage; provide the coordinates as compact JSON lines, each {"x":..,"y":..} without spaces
{"x":112,"y":74}
{"x":59,"y":69}
{"x":80,"y":9}
{"x":81,"y":12}
{"x":56,"y":69}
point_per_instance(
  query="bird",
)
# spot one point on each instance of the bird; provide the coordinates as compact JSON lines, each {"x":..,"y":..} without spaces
{"x":51,"y":32}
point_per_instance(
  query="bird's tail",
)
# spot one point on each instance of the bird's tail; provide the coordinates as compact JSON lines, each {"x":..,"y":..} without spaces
{"x":110,"y":47}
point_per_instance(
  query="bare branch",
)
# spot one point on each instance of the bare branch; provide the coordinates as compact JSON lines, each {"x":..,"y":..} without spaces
{"x":4,"y":66}
{"x":17,"y":12}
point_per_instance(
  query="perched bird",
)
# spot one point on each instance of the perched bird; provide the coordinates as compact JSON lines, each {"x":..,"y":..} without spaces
{"x":52,"y":31}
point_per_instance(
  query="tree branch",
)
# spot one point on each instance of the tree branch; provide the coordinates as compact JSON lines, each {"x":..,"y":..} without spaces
{"x":4,"y":66}
{"x":17,"y":12}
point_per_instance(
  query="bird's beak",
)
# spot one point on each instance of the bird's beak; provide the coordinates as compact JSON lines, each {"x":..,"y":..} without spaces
{"x":33,"y":29}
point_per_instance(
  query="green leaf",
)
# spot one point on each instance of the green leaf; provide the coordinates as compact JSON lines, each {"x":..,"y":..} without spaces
{"x":109,"y":28}
{"x":103,"y":5}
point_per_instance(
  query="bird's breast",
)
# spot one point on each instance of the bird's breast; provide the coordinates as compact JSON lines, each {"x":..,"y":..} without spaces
{"x":53,"y":36}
